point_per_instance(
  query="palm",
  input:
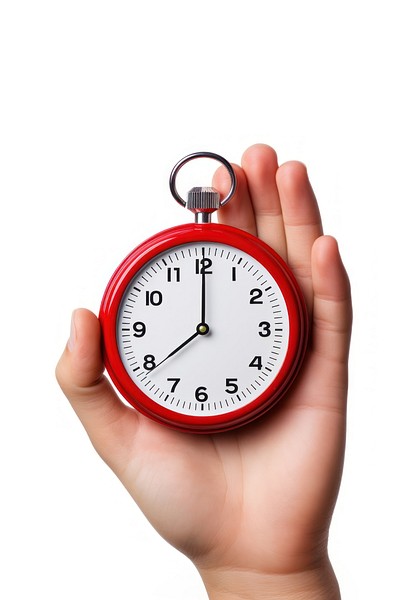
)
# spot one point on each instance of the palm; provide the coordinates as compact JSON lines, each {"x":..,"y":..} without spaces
{"x":260,"y":497}
{"x":273,"y":480}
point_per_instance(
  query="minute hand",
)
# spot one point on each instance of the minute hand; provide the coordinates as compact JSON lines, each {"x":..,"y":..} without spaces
{"x":192,"y":337}
{"x":203,"y":290}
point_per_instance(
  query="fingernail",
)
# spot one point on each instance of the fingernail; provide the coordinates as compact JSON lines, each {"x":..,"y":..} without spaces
{"x":72,"y":335}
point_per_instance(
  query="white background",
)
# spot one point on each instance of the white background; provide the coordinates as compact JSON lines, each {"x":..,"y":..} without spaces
{"x":98,"y":101}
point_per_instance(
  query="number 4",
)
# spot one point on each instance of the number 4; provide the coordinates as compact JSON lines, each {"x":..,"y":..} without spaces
{"x":256,"y":362}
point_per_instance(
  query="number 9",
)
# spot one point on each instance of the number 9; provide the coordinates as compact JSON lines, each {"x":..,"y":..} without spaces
{"x":139,"y":329}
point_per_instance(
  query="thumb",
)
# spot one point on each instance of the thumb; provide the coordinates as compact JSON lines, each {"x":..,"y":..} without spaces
{"x":80,"y":374}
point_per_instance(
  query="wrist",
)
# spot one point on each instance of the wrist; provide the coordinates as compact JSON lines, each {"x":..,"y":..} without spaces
{"x":235,"y":584}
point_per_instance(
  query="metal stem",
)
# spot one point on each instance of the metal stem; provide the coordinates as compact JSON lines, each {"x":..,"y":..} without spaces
{"x":203,"y":217}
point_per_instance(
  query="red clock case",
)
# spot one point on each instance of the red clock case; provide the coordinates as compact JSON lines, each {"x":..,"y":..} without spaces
{"x":163,"y":241}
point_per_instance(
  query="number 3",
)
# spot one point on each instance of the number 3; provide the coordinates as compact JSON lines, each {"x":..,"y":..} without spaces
{"x":265,"y":329}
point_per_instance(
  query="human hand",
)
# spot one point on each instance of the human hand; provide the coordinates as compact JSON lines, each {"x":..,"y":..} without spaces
{"x":251,"y":508}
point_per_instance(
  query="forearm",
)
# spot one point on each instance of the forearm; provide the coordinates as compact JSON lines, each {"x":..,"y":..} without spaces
{"x":317,"y":584}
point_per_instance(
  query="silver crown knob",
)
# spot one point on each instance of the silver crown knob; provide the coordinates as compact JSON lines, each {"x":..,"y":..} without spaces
{"x":203,"y":199}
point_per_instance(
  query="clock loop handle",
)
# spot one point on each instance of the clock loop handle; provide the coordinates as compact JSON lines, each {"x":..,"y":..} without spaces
{"x":194,"y":155}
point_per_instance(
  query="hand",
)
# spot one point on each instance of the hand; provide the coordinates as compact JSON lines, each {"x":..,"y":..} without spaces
{"x":252,"y":507}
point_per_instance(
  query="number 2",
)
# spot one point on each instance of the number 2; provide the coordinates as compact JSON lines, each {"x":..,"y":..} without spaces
{"x":255,"y":294}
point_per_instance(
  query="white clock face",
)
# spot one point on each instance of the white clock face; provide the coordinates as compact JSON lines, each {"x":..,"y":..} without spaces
{"x":203,"y":329}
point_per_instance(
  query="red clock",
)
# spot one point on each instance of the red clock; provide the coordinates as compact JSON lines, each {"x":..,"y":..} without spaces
{"x":204,"y":326}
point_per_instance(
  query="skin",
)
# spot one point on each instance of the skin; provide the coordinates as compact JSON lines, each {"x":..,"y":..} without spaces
{"x":251,"y":508}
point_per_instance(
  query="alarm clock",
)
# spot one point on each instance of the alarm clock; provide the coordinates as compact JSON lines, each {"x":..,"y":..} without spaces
{"x":204,"y":326}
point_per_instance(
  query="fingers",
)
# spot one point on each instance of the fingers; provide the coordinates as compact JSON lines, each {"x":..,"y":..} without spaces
{"x":278,"y":205}
{"x":260,"y":165}
{"x":256,"y":207}
{"x":302,"y":221}
{"x":80,"y":375}
{"x":323,"y":380}
{"x":238,"y":212}
{"x":332,"y":314}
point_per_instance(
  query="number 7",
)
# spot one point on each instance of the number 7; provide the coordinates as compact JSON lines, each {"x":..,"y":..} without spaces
{"x":176,"y":380}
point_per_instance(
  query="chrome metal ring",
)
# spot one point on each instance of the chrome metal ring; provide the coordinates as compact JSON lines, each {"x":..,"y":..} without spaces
{"x":186,"y":159}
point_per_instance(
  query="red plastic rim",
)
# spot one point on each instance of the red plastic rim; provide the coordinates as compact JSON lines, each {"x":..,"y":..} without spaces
{"x":163,"y":241}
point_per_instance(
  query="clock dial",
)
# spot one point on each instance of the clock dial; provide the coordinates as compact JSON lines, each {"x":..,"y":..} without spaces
{"x":203,"y":329}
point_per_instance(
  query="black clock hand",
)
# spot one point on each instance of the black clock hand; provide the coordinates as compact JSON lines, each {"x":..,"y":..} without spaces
{"x":192,"y":337}
{"x":203,"y":289}
{"x":201,"y":329}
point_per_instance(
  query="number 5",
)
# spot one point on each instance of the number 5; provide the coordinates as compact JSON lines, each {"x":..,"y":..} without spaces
{"x":231,"y":387}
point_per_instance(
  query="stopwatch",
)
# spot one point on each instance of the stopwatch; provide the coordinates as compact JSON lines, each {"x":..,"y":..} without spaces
{"x":204,"y":326}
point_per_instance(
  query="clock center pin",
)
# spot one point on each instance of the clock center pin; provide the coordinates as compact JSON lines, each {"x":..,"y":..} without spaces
{"x":202,"y":328}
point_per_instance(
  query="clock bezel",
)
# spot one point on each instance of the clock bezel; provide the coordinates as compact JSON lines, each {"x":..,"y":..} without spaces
{"x":162,"y":242}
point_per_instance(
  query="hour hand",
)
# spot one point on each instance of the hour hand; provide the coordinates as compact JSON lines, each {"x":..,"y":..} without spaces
{"x":201,"y":329}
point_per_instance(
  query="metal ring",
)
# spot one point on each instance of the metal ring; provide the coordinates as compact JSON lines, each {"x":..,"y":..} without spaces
{"x":190,"y":157}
